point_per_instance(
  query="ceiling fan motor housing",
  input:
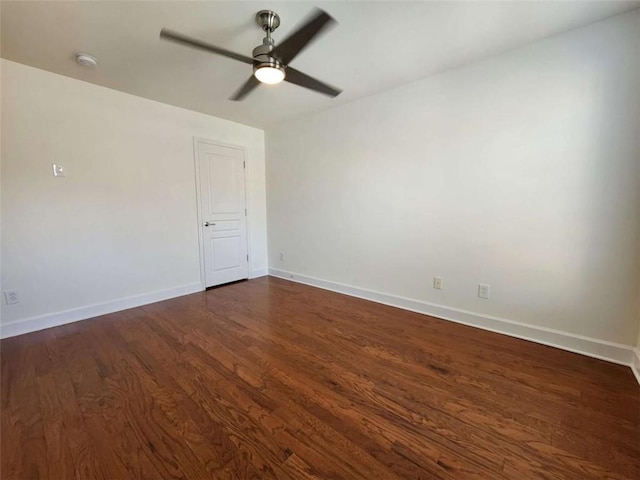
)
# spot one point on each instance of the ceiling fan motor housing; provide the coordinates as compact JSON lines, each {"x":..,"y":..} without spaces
{"x":262,"y":56}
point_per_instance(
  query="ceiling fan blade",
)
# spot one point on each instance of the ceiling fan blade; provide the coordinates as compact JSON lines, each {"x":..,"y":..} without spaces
{"x":199,"y":44}
{"x":289,"y":48}
{"x":304,"y":80}
{"x":251,"y":83}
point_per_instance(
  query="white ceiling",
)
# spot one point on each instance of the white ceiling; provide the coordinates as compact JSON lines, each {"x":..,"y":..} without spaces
{"x":376,"y":45}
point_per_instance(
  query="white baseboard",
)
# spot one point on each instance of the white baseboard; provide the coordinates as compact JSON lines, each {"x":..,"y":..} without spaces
{"x":603,"y":350}
{"x":635,"y":363}
{"x":41,"y":322}
{"x":259,"y":272}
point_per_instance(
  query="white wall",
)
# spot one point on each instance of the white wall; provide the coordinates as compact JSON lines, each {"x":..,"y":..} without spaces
{"x":520,"y":171}
{"x":123,"y":221}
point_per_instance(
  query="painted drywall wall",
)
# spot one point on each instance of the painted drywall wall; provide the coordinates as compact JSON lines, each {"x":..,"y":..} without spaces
{"x":638,"y":341}
{"x":519,"y":172}
{"x":122,"y":222}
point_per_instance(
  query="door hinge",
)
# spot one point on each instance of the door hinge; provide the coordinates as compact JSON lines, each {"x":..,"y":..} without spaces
{"x":245,"y":212}
{"x":244,"y":164}
{"x":247,"y":258}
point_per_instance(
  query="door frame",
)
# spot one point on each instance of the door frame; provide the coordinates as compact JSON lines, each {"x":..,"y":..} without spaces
{"x":196,"y":161}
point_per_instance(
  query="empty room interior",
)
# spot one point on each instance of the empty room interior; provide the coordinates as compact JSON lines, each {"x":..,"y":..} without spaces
{"x":320,"y":240}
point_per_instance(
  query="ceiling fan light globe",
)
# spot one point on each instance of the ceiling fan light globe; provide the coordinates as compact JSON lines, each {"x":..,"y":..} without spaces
{"x":269,"y":75}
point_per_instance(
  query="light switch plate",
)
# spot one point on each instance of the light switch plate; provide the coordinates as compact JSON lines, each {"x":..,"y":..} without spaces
{"x":58,"y":170}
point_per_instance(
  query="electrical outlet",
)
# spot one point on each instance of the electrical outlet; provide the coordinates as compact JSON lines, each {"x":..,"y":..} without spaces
{"x":437,"y":283}
{"x":282,"y":257}
{"x":483,"y":291}
{"x":58,"y":170}
{"x":11,"y":297}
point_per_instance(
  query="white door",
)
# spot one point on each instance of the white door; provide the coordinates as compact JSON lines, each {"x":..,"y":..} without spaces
{"x":223,"y":212}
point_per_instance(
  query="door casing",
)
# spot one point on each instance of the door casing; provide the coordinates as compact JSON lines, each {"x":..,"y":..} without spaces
{"x":196,"y":160}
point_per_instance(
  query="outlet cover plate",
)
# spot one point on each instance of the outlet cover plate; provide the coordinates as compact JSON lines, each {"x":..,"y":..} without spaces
{"x":11,"y":297}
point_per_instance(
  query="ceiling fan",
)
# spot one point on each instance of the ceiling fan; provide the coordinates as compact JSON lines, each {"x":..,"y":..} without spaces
{"x":271,"y":62}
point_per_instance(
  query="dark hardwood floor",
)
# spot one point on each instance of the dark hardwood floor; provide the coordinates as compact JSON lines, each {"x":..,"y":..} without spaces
{"x":272,"y":379}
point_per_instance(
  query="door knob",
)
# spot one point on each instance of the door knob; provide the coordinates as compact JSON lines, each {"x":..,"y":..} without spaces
{"x":207,"y":224}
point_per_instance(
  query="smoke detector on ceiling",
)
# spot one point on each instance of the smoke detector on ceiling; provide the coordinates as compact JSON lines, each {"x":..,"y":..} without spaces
{"x":86,"y":60}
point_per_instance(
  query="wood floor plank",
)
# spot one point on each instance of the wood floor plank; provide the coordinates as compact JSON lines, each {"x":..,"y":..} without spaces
{"x":58,"y":457}
{"x":34,"y":465}
{"x":273,"y":379}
